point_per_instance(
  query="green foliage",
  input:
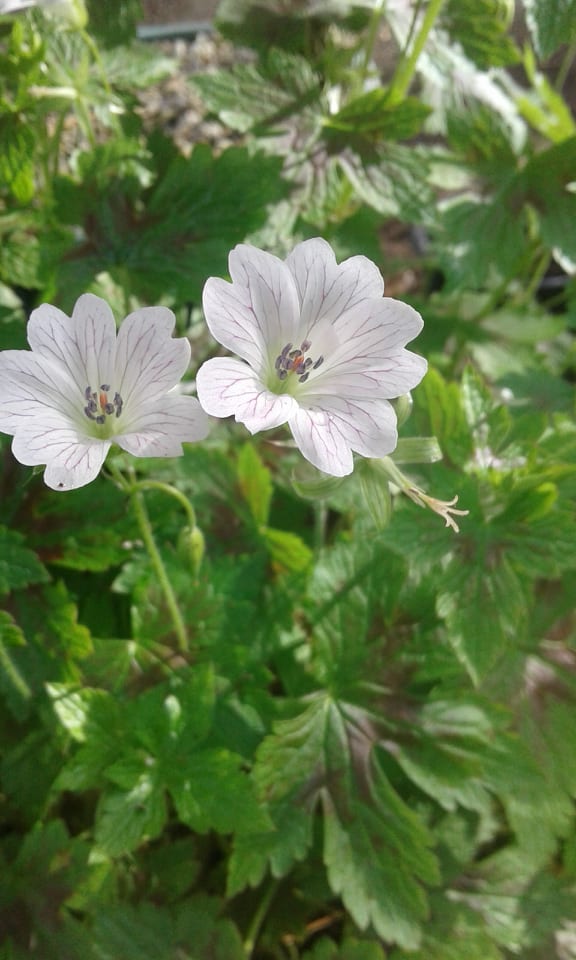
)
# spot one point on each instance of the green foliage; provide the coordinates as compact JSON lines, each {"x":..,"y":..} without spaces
{"x":551,"y":24}
{"x":19,"y":566}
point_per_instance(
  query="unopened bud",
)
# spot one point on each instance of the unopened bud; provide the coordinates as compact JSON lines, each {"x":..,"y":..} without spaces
{"x":191,"y":545}
{"x":403,"y":407}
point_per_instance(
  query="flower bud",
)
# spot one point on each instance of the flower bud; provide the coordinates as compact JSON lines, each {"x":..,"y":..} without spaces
{"x":403,"y":407}
{"x":191,"y":546}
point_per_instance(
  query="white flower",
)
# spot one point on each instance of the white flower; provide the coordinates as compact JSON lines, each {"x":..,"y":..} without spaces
{"x":322,"y":350}
{"x":81,"y":388}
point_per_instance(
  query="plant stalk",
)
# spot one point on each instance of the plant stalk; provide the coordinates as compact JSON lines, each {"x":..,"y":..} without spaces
{"x":407,"y":66}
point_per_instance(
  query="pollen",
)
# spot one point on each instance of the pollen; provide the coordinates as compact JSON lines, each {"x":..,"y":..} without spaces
{"x":99,"y":406}
{"x":294,"y":360}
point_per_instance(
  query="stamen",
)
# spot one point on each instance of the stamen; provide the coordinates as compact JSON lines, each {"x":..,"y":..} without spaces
{"x":293,"y":360}
{"x":99,"y":406}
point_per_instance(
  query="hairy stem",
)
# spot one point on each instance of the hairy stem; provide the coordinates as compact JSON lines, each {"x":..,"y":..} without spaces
{"x":408,"y":63}
{"x":143,"y":519}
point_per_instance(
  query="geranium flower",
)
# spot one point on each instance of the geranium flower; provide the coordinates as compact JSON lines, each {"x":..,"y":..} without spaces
{"x":82,"y":388}
{"x":322,"y":350}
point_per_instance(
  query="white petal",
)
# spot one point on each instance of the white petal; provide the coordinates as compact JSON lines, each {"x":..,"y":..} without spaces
{"x":149,"y":362}
{"x":71,"y":459}
{"x":375,"y":329}
{"x":160,"y":428}
{"x":327,"y":433}
{"x":81,"y":466}
{"x":264,"y":287}
{"x":82,"y":345}
{"x":385,"y":379}
{"x":327,"y":289}
{"x":31,"y":385}
{"x":232,"y":323}
{"x":318,"y":436}
{"x":228,"y":387}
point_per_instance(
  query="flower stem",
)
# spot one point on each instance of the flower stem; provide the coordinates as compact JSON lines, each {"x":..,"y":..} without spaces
{"x":371,"y":37}
{"x":171,"y":492}
{"x":134,"y":489}
{"x":258,"y":919}
{"x":408,"y":62}
{"x":143,"y":519}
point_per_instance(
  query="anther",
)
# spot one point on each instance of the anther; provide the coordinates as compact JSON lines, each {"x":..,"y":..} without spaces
{"x":318,"y":363}
{"x":303,"y":378}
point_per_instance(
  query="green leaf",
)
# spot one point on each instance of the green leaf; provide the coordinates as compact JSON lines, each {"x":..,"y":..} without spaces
{"x":12,"y":679}
{"x":392,"y":179}
{"x":552,"y":23}
{"x":349,"y":949}
{"x":148,"y":931}
{"x":255,"y":483}
{"x":443,"y":405}
{"x":135,"y":67}
{"x":287,"y":550}
{"x":480,"y":27}
{"x":546,"y":185}
{"x":376,"y":491}
{"x":372,"y":114}
{"x":125,"y":819}
{"x":312,"y":758}
{"x":202,"y":786}
{"x":485,"y":611}
{"x":17,"y":144}
{"x":264,"y":95}
{"x":164,"y":244}
{"x":114,"y":23}
{"x":381,"y":890}
{"x":529,"y":796}
{"x":19,"y":566}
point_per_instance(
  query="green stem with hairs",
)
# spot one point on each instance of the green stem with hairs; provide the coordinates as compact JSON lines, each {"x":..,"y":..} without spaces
{"x":134,"y":489}
{"x":407,"y":66}
{"x":371,"y":37}
{"x":258,"y":919}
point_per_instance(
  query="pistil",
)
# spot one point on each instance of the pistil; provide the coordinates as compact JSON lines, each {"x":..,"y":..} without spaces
{"x":99,"y":406}
{"x":294,"y":360}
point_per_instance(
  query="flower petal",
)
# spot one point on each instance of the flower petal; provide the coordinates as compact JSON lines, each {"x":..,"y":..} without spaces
{"x":388,"y":378}
{"x":82,"y":345}
{"x":149,"y":361}
{"x":229,"y":387}
{"x":31,"y":384}
{"x":160,"y":428}
{"x":318,"y":436}
{"x":324,"y":432}
{"x":369,"y":359}
{"x":327,"y":289}
{"x":375,"y":328}
{"x":71,"y":459}
{"x":259,"y":314}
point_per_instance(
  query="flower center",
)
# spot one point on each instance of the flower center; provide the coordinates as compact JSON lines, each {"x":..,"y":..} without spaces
{"x":99,"y":406}
{"x":295,"y":362}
